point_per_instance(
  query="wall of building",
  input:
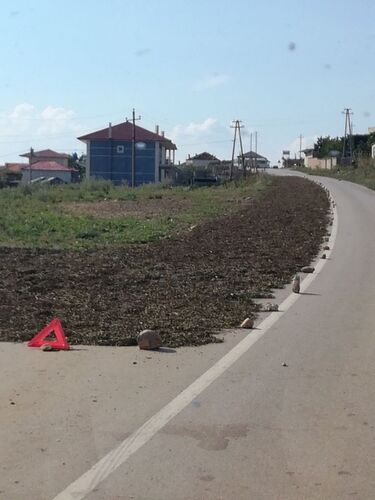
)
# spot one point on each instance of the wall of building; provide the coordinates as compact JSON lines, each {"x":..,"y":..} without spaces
{"x":260,"y":162}
{"x":320,"y":163}
{"x":199,"y":163}
{"x":65,"y":176}
{"x":112,"y":160}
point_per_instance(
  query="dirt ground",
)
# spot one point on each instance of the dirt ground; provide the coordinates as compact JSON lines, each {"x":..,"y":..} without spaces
{"x":187,"y":288}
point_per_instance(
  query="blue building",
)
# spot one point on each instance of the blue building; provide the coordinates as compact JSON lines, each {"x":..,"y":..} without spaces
{"x":110,"y":154}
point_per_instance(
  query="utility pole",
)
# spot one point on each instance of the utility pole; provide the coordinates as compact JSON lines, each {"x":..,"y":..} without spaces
{"x":134,"y":119}
{"x":256,"y":151}
{"x":300,"y":146}
{"x":31,"y":162}
{"x":251,"y":150}
{"x":348,"y":139}
{"x":237,"y":128}
{"x":241,"y":148}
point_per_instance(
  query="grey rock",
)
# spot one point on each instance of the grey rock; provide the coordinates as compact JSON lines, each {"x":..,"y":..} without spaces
{"x":247,"y":323}
{"x":48,"y":348}
{"x":296,"y":284}
{"x":307,"y":270}
{"x":269,"y":307}
{"x":326,"y":248}
{"x":149,"y":339}
{"x":324,"y":256}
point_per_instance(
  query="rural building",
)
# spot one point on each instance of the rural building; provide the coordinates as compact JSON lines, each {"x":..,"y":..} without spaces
{"x":109,"y":154}
{"x":16,"y":168}
{"x":202,"y":160}
{"x":293,"y":162}
{"x":47,"y":169}
{"x":47,"y":155}
{"x":371,"y":130}
{"x":253,"y":160}
{"x":326,"y":163}
{"x":46,"y":163}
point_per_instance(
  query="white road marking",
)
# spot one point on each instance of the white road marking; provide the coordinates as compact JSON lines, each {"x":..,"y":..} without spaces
{"x":86,"y":483}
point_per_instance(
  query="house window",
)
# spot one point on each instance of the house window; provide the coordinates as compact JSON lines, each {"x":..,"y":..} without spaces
{"x":120,"y":149}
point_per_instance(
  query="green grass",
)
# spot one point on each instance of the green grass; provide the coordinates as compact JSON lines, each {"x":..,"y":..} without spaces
{"x":364,"y":174}
{"x":32,"y":216}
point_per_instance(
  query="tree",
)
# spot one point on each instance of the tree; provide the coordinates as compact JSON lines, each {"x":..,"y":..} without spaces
{"x":78,"y":163}
{"x":361,"y":144}
{"x":324,"y":145}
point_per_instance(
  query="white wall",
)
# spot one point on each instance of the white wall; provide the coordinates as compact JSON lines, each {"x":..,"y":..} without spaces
{"x":320,"y":163}
{"x":65,"y":176}
{"x":199,"y":163}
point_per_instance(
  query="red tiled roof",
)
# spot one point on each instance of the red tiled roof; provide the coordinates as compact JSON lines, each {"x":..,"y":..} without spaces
{"x":46,"y":153}
{"x":48,"y":165}
{"x":14,"y":167}
{"x":124,"y":132}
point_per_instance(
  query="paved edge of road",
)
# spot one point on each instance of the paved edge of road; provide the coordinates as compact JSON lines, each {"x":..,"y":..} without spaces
{"x":88,"y":481}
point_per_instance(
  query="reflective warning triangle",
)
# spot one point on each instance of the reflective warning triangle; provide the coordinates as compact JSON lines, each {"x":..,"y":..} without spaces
{"x":54,"y":327}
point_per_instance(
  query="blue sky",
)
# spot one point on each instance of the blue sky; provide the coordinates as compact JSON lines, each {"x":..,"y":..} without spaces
{"x":283,"y":67}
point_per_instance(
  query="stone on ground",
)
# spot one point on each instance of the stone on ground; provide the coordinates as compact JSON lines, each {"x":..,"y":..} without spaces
{"x":296,"y":284}
{"x":247,"y":323}
{"x":149,"y":339}
{"x":307,"y":270}
{"x":269,"y":307}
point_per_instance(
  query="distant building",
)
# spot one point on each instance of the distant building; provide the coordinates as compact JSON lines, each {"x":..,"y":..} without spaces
{"x":253,"y":160}
{"x":293,"y":162}
{"x":371,"y":130}
{"x":46,"y":163}
{"x":109,"y":154}
{"x":327,"y":163}
{"x":47,"y":155}
{"x":14,"y":167}
{"x":202,"y":160}
{"x":48,"y":169}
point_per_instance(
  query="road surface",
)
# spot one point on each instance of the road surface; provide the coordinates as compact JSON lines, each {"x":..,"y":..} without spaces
{"x":251,"y":428}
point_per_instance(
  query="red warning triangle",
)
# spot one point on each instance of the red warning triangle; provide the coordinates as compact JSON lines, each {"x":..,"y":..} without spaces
{"x":55,"y":327}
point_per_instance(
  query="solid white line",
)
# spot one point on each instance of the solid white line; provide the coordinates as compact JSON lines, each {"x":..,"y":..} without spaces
{"x":110,"y":462}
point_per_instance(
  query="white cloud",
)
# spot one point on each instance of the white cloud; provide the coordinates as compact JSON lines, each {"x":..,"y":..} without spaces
{"x":211,"y":81}
{"x":22,"y":112}
{"x":194,"y":129}
{"x":27,"y":126}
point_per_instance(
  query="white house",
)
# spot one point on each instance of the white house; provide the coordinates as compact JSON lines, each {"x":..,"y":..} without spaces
{"x":254,"y":160}
{"x":46,"y":163}
{"x":202,"y":160}
{"x":47,"y":169}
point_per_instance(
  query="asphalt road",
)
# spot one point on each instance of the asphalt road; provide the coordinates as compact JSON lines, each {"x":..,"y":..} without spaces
{"x":259,"y":430}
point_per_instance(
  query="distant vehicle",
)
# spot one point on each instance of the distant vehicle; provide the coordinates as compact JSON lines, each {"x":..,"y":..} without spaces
{"x":275,"y":166}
